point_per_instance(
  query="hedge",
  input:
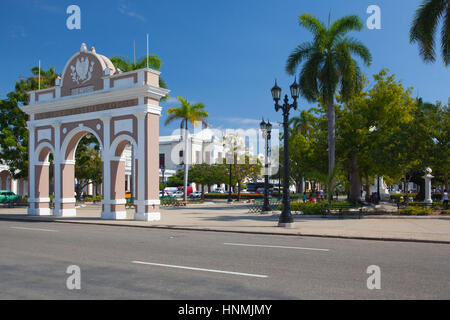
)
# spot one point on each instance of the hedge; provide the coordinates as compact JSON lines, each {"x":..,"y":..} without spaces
{"x":313,"y":208}
{"x":415,"y":211}
{"x":234,"y":196}
{"x":434,"y":196}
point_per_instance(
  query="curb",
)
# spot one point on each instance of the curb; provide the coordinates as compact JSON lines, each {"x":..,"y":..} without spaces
{"x":234,"y":231}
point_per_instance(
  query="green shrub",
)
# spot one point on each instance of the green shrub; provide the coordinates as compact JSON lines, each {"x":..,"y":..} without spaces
{"x":436,"y":196}
{"x":396,"y":197}
{"x":415,"y":211}
{"x":307,"y":208}
{"x":93,"y":198}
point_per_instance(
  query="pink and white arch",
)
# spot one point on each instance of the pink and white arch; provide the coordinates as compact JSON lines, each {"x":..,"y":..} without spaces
{"x":118,"y":108}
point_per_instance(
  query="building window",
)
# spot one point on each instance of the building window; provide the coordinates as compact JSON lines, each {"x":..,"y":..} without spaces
{"x":208,"y":157}
{"x":198,"y":157}
{"x":162,"y":160}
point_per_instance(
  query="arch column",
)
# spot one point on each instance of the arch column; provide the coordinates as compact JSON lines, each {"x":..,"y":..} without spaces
{"x":65,"y":189}
{"x":147,"y":168}
{"x":38,"y":199}
{"x":40,"y":203}
{"x":114,"y":208}
{"x":113,"y":204}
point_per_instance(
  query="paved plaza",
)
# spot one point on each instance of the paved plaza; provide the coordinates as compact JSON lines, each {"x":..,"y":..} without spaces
{"x":235,"y":218}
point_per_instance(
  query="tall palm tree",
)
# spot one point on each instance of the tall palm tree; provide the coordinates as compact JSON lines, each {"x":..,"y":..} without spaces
{"x":192,"y":113}
{"x":329,"y":66}
{"x":154,"y":62}
{"x":302,"y":124}
{"x":423,"y":29}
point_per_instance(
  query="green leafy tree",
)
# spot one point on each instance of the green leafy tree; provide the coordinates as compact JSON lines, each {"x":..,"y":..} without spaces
{"x":329,"y":66}
{"x":176,"y":180}
{"x":424,"y":26}
{"x":187,"y":113}
{"x":245,"y":168}
{"x":13,"y":126}
{"x":366,"y":126}
{"x":88,"y":163}
{"x":207,"y":175}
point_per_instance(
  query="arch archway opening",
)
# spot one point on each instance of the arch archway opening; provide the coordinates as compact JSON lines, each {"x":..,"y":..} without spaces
{"x":81,"y":171}
{"x":123,"y":185}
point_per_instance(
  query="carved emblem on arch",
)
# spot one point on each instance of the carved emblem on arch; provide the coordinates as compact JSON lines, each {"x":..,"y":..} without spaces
{"x":81,"y":72}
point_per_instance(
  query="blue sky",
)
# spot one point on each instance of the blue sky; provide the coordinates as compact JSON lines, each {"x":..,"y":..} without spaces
{"x":225,"y":54}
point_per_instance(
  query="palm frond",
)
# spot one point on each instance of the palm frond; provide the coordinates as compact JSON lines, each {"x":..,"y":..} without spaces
{"x":302,"y":52}
{"x":313,"y":24}
{"x":345,"y":25}
{"x":445,"y":37}
{"x":356,"y":47}
{"x":308,"y":77}
{"x":424,"y":26}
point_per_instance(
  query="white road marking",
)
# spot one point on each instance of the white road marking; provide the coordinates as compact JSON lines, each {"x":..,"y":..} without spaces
{"x":278,"y":247}
{"x":201,"y":269}
{"x":35,"y":229}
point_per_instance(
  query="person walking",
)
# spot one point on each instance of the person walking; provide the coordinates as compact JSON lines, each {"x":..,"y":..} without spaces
{"x":445,"y":199}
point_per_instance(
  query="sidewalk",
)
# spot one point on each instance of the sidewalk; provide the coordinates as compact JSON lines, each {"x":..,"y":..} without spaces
{"x":235,"y":218}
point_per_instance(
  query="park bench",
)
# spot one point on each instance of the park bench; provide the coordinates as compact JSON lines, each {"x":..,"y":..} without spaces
{"x":129,"y":202}
{"x":340,"y":209}
{"x":171,"y":202}
{"x":257,"y":205}
{"x":15,"y":203}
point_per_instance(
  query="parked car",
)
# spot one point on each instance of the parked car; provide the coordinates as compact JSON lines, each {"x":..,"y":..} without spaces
{"x":195,"y":195}
{"x":169,"y":191}
{"x":218,"y":190}
{"x":178,"y":194}
{"x":8,"y":196}
{"x":261,"y":191}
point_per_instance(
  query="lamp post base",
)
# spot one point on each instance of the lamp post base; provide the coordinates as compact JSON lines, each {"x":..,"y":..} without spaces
{"x":289,"y":225}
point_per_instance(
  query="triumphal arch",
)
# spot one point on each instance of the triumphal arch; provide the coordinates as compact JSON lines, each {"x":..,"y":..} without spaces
{"x":119,"y":109}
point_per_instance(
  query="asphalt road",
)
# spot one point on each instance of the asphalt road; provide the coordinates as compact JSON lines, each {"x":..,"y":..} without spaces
{"x":138,"y":263}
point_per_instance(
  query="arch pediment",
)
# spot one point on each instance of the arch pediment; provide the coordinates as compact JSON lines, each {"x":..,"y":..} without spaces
{"x":84,"y":71}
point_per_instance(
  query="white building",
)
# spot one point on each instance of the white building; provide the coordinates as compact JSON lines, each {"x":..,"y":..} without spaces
{"x":203,"y":147}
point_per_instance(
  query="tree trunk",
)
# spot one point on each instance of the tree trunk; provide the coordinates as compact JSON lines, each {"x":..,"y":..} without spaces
{"x":355,"y":180}
{"x":367,"y":188}
{"x":300,"y":188}
{"x":331,"y":141}
{"x":239,"y":191}
{"x":203,"y":192}
{"x":186,"y":160}
{"x":405,"y":187}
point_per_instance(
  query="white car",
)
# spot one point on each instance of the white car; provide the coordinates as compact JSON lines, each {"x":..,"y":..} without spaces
{"x":178,"y":194}
{"x":195,"y":195}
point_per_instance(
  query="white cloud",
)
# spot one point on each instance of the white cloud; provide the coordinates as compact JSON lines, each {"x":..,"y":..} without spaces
{"x":241,"y":120}
{"x":16,"y":32}
{"x":124,"y":9}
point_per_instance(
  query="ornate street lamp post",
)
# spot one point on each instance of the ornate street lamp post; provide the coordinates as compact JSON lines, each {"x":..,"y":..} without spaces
{"x":286,"y":219}
{"x":230,"y":198}
{"x":163,"y":170}
{"x":266,"y":128}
